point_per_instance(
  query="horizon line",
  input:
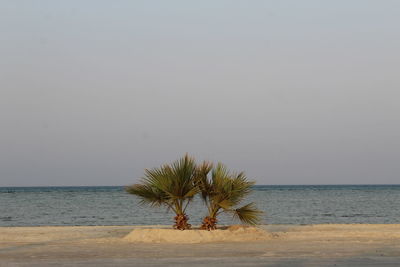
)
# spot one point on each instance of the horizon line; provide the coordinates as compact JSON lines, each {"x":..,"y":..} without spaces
{"x":21,"y":186}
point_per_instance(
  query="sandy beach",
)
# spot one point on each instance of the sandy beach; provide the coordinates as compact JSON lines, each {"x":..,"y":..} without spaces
{"x":293,"y":245}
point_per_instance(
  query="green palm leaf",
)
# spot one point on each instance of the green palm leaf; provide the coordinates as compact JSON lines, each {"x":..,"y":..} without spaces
{"x":223,"y":191}
{"x":172,"y":185}
{"x":248,"y":214}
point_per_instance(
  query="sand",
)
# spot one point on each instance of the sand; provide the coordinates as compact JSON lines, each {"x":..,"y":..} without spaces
{"x":227,"y":234}
{"x":284,"y":245}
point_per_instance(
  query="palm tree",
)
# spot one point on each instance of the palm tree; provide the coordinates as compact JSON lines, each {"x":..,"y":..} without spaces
{"x":222,"y":193}
{"x":173,"y":186}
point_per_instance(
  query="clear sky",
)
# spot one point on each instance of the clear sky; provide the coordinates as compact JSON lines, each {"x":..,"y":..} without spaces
{"x":291,"y":92}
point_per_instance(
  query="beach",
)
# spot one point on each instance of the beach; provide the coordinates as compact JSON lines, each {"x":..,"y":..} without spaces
{"x":304,"y":245}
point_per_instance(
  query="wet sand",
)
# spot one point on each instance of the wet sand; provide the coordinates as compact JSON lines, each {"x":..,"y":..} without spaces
{"x":288,"y":245}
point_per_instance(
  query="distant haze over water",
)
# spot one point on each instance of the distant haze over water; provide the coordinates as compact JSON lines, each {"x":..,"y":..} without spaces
{"x":291,"y":92}
{"x":297,"y":204}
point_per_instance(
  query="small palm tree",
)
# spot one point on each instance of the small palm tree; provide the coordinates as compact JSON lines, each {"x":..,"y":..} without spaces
{"x":173,"y":186}
{"x":222,"y":193}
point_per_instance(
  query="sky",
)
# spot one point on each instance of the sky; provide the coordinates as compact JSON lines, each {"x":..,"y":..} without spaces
{"x":291,"y":92}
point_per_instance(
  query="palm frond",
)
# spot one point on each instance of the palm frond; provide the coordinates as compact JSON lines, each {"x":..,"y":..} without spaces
{"x":225,"y":190}
{"x":240,"y":188}
{"x":248,"y":214}
{"x":225,"y":204}
{"x":202,"y":181}
{"x":147,"y":194}
{"x":172,"y":185}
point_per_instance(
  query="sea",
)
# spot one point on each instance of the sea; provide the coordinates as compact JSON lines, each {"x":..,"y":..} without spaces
{"x":281,"y":204}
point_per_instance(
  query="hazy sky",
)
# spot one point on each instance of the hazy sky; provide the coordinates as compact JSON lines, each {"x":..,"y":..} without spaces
{"x":291,"y":92}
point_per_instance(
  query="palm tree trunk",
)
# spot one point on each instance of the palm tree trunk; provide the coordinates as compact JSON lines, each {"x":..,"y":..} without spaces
{"x":181,"y":222}
{"x":209,"y":223}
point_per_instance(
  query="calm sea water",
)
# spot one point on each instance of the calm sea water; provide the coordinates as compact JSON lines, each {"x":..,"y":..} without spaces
{"x":308,"y":204}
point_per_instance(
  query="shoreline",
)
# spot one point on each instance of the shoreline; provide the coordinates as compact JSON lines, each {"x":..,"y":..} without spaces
{"x":195,"y":226}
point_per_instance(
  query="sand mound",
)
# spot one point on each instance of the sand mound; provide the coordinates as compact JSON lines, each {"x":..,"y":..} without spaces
{"x":230,"y":234}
